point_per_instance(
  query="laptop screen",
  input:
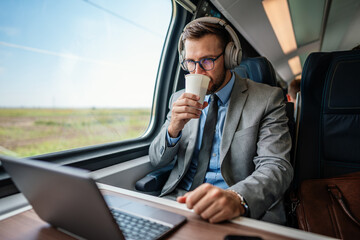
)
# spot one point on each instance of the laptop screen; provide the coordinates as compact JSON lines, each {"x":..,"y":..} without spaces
{"x":69,"y":198}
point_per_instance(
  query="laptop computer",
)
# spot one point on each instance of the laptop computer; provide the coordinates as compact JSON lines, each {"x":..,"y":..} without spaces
{"x":69,"y":199}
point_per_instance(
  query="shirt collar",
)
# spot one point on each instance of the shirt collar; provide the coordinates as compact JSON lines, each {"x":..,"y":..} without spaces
{"x":224,"y":93}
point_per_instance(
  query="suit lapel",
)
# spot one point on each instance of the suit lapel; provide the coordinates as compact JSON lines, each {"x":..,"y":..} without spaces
{"x":237,"y":100}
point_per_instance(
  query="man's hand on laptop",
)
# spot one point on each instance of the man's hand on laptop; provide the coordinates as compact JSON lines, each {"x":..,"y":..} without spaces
{"x":212,"y":203}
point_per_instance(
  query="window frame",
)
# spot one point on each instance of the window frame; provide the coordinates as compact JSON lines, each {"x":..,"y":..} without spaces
{"x":104,"y":155}
{"x":168,"y":80}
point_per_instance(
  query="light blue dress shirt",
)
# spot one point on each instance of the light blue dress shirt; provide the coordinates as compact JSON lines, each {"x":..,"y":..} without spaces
{"x":213,"y":174}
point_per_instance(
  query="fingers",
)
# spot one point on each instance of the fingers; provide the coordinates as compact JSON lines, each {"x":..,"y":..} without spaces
{"x":213,"y":204}
{"x":205,"y":104}
{"x":197,"y":195}
{"x":189,"y":99}
{"x":183,"y":110}
{"x":190,"y":96}
{"x":181,"y":199}
{"x":210,"y":203}
{"x":223,"y":209}
{"x":220,"y":216}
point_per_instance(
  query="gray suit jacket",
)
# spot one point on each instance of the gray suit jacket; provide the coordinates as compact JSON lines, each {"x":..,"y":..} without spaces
{"x":255,"y":149}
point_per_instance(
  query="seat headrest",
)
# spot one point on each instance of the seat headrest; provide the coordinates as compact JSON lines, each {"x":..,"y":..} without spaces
{"x":258,"y":69}
{"x":343,"y":85}
{"x":333,"y":81}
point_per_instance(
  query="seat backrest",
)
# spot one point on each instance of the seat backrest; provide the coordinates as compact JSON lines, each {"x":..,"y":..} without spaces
{"x":258,"y":69}
{"x":328,"y":142}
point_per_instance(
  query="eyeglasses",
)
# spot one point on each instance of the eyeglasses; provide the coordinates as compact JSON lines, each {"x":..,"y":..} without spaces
{"x":206,"y":63}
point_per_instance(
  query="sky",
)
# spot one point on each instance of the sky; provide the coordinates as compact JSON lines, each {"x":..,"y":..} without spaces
{"x":81,"y":53}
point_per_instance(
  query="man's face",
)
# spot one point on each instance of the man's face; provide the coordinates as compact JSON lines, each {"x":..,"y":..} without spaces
{"x":208,"y":47}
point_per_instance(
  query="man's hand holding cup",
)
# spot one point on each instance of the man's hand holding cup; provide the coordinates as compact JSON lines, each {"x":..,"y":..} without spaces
{"x":189,"y":105}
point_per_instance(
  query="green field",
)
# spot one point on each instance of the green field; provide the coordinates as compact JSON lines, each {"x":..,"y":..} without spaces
{"x":33,"y":131}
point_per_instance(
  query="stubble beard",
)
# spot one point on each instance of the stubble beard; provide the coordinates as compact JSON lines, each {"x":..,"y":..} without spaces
{"x":216,"y":84}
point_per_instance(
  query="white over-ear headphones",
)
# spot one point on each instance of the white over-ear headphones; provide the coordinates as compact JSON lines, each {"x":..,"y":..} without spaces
{"x":233,"y":51}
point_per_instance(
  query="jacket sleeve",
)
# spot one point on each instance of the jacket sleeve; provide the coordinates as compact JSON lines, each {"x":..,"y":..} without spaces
{"x":273,"y":173}
{"x":159,"y":152}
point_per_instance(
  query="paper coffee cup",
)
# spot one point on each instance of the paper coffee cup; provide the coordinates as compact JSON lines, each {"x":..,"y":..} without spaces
{"x":197,"y":84}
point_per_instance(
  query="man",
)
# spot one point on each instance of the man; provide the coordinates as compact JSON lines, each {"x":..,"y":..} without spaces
{"x":293,"y":89}
{"x":249,"y":168}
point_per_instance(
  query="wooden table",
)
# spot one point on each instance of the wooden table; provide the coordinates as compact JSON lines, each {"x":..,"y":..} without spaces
{"x":28,"y":226}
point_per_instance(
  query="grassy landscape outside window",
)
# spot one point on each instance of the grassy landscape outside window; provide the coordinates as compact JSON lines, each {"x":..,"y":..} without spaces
{"x":77,"y":73}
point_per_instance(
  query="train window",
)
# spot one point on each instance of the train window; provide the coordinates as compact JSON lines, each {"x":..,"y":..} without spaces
{"x":77,"y":73}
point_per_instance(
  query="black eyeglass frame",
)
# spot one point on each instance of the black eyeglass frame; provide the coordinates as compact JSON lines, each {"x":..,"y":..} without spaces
{"x":184,"y":63}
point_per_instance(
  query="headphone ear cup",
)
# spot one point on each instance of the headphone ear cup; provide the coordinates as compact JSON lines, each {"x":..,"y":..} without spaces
{"x":181,"y":52}
{"x":238,"y":57}
{"x":181,"y":58}
{"x":228,"y":56}
{"x":232,"y":56}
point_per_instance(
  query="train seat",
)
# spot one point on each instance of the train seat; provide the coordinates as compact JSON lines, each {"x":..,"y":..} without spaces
{"x":329,"y":124}
{"x":258,"y":69}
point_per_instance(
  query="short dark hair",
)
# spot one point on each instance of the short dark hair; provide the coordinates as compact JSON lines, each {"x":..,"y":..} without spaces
{"x":197,"y":30}
{"x":294,"y":87}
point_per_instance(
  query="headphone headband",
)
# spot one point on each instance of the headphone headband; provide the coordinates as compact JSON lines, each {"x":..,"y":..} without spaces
{"x":233,"y":51}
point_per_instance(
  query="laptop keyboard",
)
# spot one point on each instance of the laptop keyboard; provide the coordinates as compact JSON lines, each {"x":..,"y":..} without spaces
{"x":136,"y":228}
